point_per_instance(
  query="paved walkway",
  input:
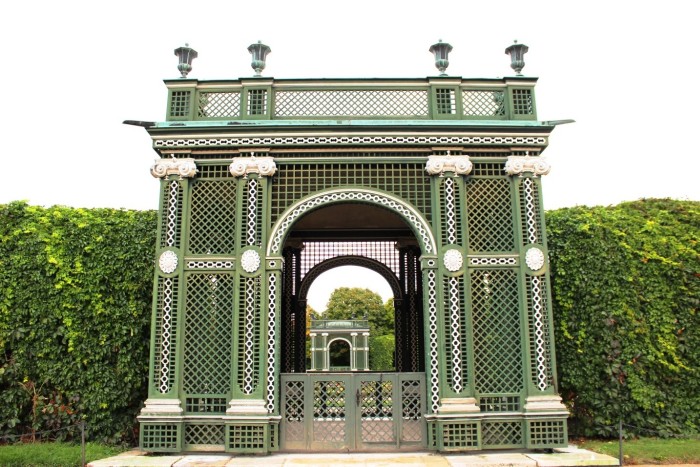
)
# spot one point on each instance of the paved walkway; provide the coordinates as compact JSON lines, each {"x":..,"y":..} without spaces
{"x":571,"y":456}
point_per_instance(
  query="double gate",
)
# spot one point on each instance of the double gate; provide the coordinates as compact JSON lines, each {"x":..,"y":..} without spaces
{"x":352,"y":411}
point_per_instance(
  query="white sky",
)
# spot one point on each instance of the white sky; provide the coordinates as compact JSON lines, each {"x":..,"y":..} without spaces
{"x":74,"y":70}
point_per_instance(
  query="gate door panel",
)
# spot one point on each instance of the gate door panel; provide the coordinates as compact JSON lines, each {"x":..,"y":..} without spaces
{"x":353,"y":411}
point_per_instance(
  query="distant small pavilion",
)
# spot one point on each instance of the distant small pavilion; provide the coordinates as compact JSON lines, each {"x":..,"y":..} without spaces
{"x":353,"y":333}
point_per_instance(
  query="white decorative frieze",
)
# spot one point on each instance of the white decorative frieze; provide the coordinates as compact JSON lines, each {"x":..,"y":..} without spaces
{"x":518,"y":165}
{"x":184,"y":168}
{"x":438,"y":165}
{"x":263,"y":166}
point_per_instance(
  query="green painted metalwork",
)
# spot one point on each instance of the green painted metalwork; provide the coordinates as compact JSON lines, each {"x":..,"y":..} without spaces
{"x":462,"y":244}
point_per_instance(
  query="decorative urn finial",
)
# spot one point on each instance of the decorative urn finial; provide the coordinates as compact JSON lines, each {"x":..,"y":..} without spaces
{"x":185,"y":56}
{"x":517,"y":57}
{"x":441,"y":50}
{"x":259,"y":51}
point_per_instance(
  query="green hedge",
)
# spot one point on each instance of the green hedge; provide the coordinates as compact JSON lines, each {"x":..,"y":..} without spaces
{"x":75,"y":299}
{"x":625,"y":292}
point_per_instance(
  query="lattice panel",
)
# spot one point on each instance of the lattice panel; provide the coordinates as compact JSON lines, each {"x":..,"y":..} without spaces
{"x":406,"y":181}
{"x":219,"y":105}
{"x":376,"y":411}
{"x":547,"y":433}
{"x":209,"y":405}
{"x":496,"y":331}
{"x":411,"y":411}
{"x":165,"y":334}
{"x":159,"y":437}
{"x":489,"y":215}
{"x":538,"y":324}
{"x":499,"y":403}
{"x":209,"y":171}
{"x":204,"y":434}
{"x":171,"y":212}
{"x":246,"y":438}
{"x":361,"y":103}
{"x":208,"y":321}
{"x":257,"y":102}
{"x":294,"y":410}
{"x":252,"y":213}
{"x":522,"y":102}
{"x":329,"y":399}
{"x":329,"y":411}
{"x":315,"y":252}
{"x":457,"y":436}
{"x":488,"y":169}
{"x":501,"y":434}
{"x":530,"y":212}
{"x":248,"y":334}
{"x":483,"y":103}
{"x":445,"y":101}
{"x":180,"y":103}
{"x":456,"y":368}
{"x":212,"y":217}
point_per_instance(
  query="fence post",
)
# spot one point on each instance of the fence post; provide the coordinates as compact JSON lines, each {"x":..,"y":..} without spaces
{"x":620,"y":450}
{"x":82,"y":442}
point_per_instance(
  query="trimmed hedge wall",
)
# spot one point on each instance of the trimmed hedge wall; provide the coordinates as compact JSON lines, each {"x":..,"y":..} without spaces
{"x":626,"y":288}
{"x":75,"y":300}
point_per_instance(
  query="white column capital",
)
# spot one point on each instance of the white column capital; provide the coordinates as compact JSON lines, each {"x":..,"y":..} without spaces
{"x":438,"y":164}
{"x":518,"y":165}
{"x":242,"y":166}
{"x":184,"y":168}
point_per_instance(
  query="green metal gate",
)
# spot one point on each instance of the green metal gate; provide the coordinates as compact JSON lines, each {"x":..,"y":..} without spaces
{"x":353,"y":411}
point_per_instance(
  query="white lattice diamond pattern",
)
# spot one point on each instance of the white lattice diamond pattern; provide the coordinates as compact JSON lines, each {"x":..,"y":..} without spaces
{"x":337,"y":103}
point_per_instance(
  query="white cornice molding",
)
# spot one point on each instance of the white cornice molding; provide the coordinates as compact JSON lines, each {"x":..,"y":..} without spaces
{"x":184,"y":168}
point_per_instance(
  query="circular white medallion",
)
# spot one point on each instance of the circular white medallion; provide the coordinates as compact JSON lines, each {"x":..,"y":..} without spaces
{"x":534,"y":258}
{"x":453,"y":260}
{"x":250,"y":260}
{"x":167,"y":262}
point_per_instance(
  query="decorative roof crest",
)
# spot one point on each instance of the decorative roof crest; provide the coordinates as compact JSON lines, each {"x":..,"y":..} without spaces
{"x":242,"y":166}
{"x":438,"y":165}
{"x":182,"y":167}
{"x":518,"y":165}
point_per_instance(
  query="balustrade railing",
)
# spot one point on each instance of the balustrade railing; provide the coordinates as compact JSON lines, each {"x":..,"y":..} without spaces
{"x":364,"y":99}
{"x":339,"y":324}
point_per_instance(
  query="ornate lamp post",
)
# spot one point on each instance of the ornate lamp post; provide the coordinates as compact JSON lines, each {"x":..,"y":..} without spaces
{"x":259,"y":51}
{"x":185,"y":56}
{"x":517,"y":57}
{"x":441,"y":51}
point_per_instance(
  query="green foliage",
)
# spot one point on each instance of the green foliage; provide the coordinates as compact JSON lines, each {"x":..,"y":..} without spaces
{"x":625,"y":293}
{"x":75,"y":299}
{"x":381,"y":352}
{"x":346,"y":302}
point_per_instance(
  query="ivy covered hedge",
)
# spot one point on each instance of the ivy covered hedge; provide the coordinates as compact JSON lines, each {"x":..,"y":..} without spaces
{"x":75,"y":299}
{"x":626,"y":289}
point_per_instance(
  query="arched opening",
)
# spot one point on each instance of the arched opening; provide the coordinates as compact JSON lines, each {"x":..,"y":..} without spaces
{"x":354,"y":234}
{"x":339,"y":351}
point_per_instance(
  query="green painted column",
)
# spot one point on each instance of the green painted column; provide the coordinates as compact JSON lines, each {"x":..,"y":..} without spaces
{"x":161,"y":417}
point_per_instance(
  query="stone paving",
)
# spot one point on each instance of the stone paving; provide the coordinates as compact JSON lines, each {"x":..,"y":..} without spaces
{"x":571,"y":456}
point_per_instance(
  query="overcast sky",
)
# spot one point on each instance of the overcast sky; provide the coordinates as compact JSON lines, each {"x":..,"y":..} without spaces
{"x":73,"y":71}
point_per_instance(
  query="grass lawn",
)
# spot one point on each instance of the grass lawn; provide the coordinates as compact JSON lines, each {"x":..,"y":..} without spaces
{"x":649,"y":450}
{"x":53,"y":454}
